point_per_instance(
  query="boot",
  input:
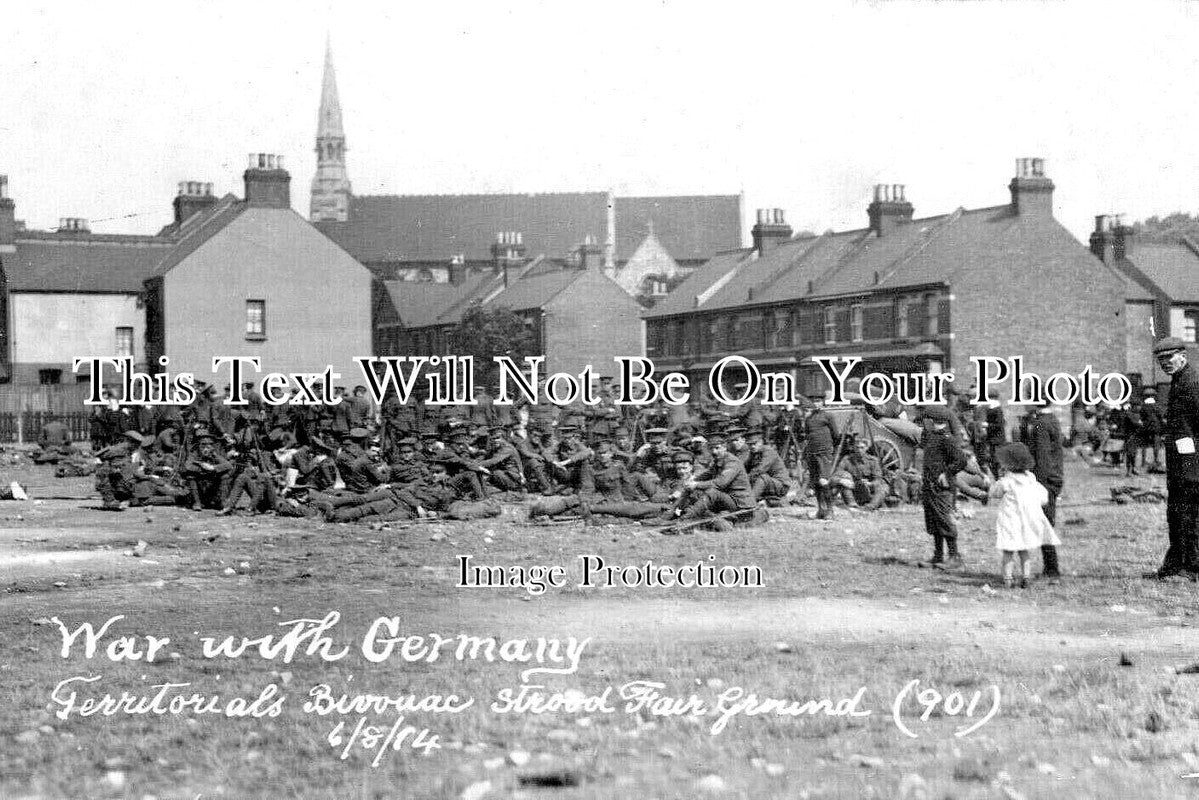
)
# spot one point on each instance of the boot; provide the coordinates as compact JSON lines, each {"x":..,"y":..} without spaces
{"x":824,"y":502}
{"x":938,"y":553}
{"x":954,"y":559}
{"x":1049,"y":561}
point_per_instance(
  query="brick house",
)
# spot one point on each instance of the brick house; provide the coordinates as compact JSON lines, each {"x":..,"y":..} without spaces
{"x":254,"y":278}
{"x":904,"y":294}
{"x":1162,"y":297}
{"x":69,"y":293}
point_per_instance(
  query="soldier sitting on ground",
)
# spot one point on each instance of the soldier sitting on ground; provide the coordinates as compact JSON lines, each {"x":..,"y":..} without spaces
{"x":767,"y":473}
{"x":54,"y":441}
{"x":867,"y":487}
{"x":207,"y":474}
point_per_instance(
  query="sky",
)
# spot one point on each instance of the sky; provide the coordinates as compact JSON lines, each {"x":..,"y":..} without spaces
{"x":800,"y":106}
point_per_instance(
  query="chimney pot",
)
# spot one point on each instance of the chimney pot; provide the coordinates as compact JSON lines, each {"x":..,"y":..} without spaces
{"x":1031,"y":188}
{"x":890,"y":207}
{"x":271,"y":190}
{"x":771,"y":230}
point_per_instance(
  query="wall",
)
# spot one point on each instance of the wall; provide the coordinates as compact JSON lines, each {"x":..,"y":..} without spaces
{"x":591,"y":322}
{"x":1139,"y":338}
{"x":1042,"y":295}
{"x":318,"y":299}
{"x":50,"y":330}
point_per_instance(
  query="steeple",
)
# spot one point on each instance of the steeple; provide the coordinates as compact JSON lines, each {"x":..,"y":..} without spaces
{"x":330,"y":186}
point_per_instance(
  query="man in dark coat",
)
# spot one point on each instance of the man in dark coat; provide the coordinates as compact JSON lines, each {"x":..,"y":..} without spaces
{"x":1182,"y":461}
{"x":943,"y":459}
{"x":822,"y":436}
{"x":1043,"y":437}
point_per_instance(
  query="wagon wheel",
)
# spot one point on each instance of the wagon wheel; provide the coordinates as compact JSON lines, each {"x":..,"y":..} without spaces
{"x":888,"y":455}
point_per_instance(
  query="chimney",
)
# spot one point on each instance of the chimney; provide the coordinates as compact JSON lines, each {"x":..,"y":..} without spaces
{"x":770,"y":230}
{"x":590,"y":253}
{"x":457,"y":271}
{"x":267,"y":184}
{"x":889,"y":208}
{"x":1103,"y":239}
{"x":8,"y":218}
{"x":1032,"y":192}
{"x":1122,"y":246}
{"x":72,"y":225}
{"x":508,"y":251}
{"x":193,"y":197}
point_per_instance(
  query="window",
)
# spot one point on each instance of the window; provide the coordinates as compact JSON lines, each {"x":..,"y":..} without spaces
{"x":855,"y":323}
{"x":255,"y":320}
{"x":49,"y":377}
{"x":901,"y":319}
{"x":125,"y":342}
{"x":830,"y":325}
{"x":1189,"y":322}
{"x":931,"y":308}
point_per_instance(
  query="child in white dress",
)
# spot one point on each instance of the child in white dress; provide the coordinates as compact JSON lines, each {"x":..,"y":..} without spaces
{"x":1021,"y":524}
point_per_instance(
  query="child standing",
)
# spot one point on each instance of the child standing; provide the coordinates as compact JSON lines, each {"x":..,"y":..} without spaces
{"x":943,"y":459}
{"x":1021,"y":524}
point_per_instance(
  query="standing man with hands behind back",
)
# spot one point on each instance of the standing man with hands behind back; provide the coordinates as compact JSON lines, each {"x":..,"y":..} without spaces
{"x":1182,"y":462}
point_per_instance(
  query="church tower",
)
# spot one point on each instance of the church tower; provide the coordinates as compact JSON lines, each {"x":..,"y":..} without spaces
{"x":330,"y":185}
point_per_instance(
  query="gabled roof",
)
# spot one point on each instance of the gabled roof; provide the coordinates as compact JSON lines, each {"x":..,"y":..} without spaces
{"x":1172,"y":268}
{"x":198,"y":229}
{"x":421,"y":304}
{"x":535,"y":291}
{"x":918,"y":253}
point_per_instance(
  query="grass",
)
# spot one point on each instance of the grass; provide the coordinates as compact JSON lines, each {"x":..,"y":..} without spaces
{"x":843,"y":608}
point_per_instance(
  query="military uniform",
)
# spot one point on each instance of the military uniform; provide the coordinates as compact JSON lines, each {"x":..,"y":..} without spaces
{"x":1182,"y":464}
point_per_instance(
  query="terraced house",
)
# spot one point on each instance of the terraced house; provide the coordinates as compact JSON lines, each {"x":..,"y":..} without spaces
{"x":903,"y":294}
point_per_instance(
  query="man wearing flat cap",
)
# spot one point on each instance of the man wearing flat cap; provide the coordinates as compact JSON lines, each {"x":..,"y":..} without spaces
{"x":1182,"y":462}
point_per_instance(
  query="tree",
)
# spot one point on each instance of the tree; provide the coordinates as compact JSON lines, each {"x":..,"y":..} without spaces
{"x":1170,"y":228}
{"x":488,"y":332}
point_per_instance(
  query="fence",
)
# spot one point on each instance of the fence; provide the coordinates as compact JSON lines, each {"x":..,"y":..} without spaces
{"x":23,"y":411}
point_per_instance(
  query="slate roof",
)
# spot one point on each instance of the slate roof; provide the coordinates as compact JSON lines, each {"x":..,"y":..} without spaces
{"x":434,"y":228}
{"x":422,"y":304}
{"x":691,"y":228}
{"x":438,"y":227}
{"x":1174,"y":268}
{"x":920,"y":253}
{"x":82,"y":264}
{"x":419,"y":305}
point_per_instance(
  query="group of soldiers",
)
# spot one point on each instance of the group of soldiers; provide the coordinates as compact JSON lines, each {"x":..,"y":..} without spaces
{"x":700,"y":463}
{"x":697,"y":464}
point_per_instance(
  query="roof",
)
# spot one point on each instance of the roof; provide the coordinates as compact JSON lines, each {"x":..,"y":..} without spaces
{"x":409,"y":228}
{"x":535,"y":291}
{"x":1173,"y":268}
{"x":421,"y":304}
{"x":198,"y":229}
{"x":919,"y":253}
{"x":438,"y":227}
{"x":73,"y":263}
{"x":691,"y":228}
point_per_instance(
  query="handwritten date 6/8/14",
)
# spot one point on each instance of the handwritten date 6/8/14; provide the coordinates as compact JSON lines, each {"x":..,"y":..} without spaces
{"x":969,"y":706}
{"x":369,"y":737}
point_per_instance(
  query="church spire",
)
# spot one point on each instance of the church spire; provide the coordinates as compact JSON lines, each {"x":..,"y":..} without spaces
{"x":331,"y":184}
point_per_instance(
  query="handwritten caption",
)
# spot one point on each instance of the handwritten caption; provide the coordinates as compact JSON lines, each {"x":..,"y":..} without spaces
{"x":381,"y":723}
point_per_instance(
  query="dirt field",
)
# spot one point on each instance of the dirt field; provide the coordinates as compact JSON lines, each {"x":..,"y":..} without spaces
{"x":1090,"y":703}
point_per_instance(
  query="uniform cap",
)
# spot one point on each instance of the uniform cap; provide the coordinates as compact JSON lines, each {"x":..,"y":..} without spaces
{"x":1169,"y":345}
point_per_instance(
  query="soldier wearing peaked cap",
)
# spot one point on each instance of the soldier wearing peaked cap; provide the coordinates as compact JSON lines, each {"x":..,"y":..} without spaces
{"x":1180,"y":431}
